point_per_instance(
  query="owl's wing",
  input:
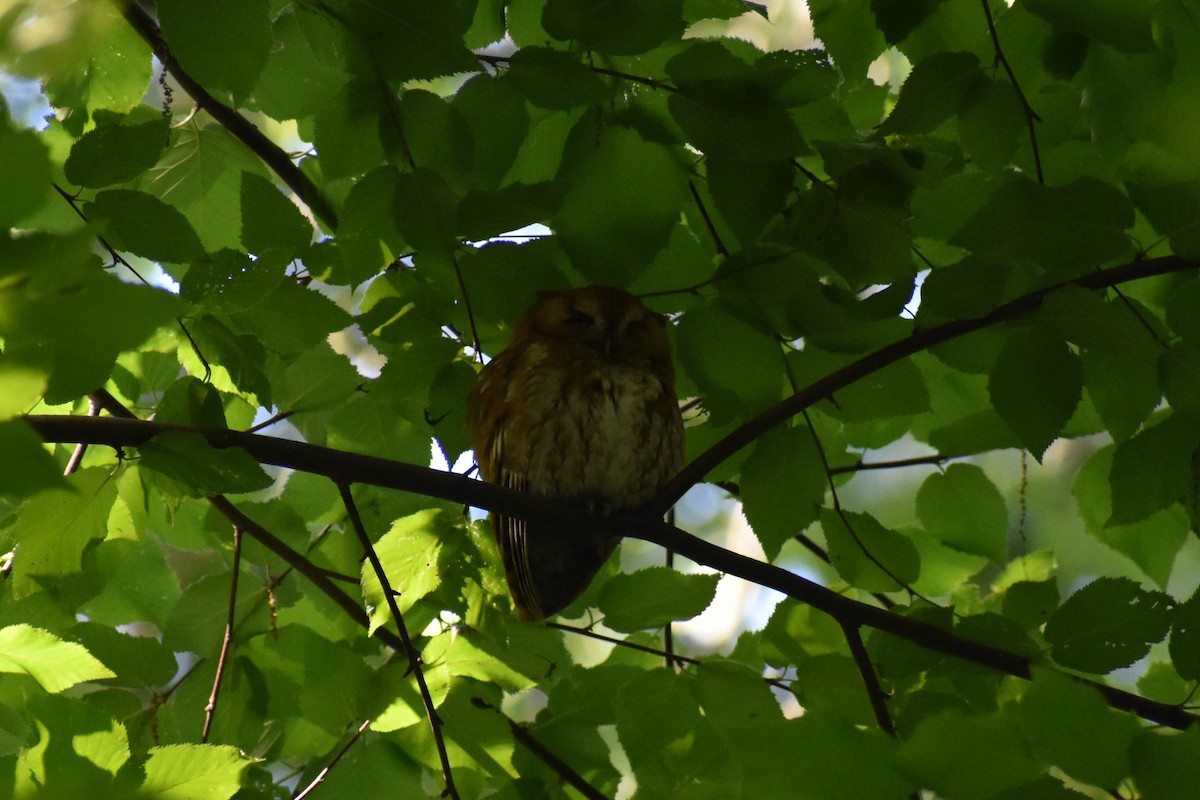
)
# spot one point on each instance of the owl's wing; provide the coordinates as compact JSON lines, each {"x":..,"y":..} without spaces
{"x":512,"y":539}
{"x":546,"y":568}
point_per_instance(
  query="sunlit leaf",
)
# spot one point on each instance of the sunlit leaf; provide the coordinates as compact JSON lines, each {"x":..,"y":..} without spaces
{"x":56,"y":665}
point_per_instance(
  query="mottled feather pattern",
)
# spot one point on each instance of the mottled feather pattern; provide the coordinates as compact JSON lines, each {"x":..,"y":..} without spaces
{"x":581,"y":407}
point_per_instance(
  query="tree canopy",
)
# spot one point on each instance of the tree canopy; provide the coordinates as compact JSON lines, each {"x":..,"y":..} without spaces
{"x":931,"y":272}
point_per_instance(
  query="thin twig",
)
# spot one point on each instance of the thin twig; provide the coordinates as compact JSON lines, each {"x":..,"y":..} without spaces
{"x":841,"y":513}
{"x":936,"y":459}
{"x":227,"y":640}
{"x":298,"y":562}
{"x":1031,"y":116}
{"x":333,"y":763}
{"x":654,"y":651}
{"x":462,"y":287}
{"x":560,"y":768}
{"x":808,"y":544}
{"x":866,"y":669}
{"x":676,"y":657}
{"x":414,"y":658}
{"x":668,"y":629}
{"x":266,"y":423}
{"x":120,"y":259}
{"x":81,"y":448}
{"x":708,"y":223}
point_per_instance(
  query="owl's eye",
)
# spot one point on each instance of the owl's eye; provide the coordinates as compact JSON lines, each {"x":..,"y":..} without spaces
{"x":578,"y":319}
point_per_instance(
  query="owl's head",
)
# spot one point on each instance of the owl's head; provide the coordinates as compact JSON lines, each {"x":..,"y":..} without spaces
{"x":610,"y":321}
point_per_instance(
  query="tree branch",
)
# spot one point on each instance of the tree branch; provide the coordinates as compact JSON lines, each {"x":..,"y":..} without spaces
{"x":918,"y":341}
{"x":272,"y":154}
{"x":639,"y":524}
{"x":850,"y":612}
{"x":866,"y":669}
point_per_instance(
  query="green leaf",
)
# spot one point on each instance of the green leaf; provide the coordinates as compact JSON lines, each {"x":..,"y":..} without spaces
{"x":991,"y":125}
{"x":1153,"y":469}
{"x":1151,"y":543}
{"x":240,"y":357}
{"x":868,"y":555}
{"x":56,"y":526}
{"x":368,"y":236}
{"x":1123,"y":387}
{"x":968,"y":757}
{"x":897,"y":390}
{"x":1179,"y":371}
{"x":199,"y":469}
{"x":965,"y":510}
{"x":1108,"y":624}
{"x":65,"y":317}
{"x":119,"y":148}
{"x":193,"y":772}
{"x":727,"y":109}
{"x":1035,"y":385}
{"x":783,"y":486}
{"x":291,"y":318}
{"x":437,"y":136}
{"x":1071,"y":726}
{"x":270,"y":221}
{"x":56,"y":665}
{"x":304,"y":66}
{"x":1031,"y":603}
{"x":933,"y":92}
{"x":1167,"y":766}
{"x":137,"y":660}
{"x":736,"y":366}
{"x":554,"y":79}
{"x":747,"y":193}
{"x":143,"y":224}
{"x":431,"y":36}
{"x":243,"y":27}
{"x":1067,"y":229}
{"x":615,"y":27}
{"x":346,"y":131}
{"x":898,"y":18}
{"x":20,"y":445}
{"x":1124,"y":24}
{"x":24,"y":162}
{"x":201,"y":175}
{"x":1183,"y":309}
{"x":652,"y":597}
{"x":1174,"y":211}
{"x":424,"y":212}
{"x":831,"y":684}
{"x":620,"y":209}
{"x":190,"y":401}
{"x":1185,"y":638}
{"x":409,"y":553}
{"x":849,"y":32}
{"x":653,"y":710}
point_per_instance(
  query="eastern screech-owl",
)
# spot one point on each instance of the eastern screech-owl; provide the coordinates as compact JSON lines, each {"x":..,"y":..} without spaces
{"x":580,"y":407}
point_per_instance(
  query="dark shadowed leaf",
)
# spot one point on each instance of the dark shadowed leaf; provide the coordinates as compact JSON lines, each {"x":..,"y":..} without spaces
{"x":1108,"y":624}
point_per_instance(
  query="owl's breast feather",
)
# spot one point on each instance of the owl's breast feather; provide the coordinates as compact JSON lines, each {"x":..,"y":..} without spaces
{"x":605,"y":433}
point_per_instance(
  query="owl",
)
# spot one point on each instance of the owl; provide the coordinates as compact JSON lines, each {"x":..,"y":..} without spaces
{"x":579,"y":407}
